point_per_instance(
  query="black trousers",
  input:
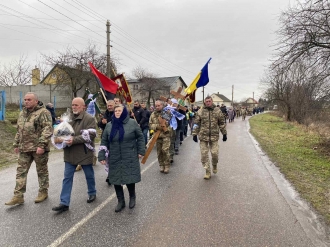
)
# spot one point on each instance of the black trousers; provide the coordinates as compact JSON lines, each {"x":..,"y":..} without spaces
{"x":120,"y":191}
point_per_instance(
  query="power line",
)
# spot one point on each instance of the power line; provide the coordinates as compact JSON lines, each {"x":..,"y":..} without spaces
{"x":3,"y":6}
{"x":59,"y":29}
{"x":129,"y":36}
{"x":83,"y":12}
{"x":68,"y":17}
{"x":148,"y":59}
{"x":145,"y":58}
{"x":51,"y":19}
{"x":36,"y":40}
{"x":32,"y":35}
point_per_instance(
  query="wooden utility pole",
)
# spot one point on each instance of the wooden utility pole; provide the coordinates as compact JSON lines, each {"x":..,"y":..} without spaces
{"x":253,"y":95}
{"x":232,"y":95}
{"x":108,"y":49}
{"x":203,"y":94}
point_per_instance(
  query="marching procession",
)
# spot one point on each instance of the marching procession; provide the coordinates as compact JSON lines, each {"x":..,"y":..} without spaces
{"x":128,"y":135}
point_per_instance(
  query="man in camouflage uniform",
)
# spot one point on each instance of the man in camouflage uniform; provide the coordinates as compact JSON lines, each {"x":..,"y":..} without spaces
{"x":243,"y":113}
{"x":32,"y":140}
{"x":208,"y":122}
{"x":164,"y":139}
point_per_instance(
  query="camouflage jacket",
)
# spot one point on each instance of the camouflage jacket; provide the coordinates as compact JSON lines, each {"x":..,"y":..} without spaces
{"x":34,"y":129}
{"x":154,"y":123}
{"x":208,"y":122}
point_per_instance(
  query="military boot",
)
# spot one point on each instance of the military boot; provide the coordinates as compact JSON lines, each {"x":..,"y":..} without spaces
{"x":16,"y":200}
{"x":161,"y":168}
{"x":208,"y":174}
{"x":41,"y":197}
{"x":214,"y":170}
{"x":167,"y":169}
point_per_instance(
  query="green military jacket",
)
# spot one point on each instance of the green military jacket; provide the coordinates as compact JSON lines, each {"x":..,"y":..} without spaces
{"x":208,"y":122}
{"x":34,"y":129}
{"x":154,"y":124}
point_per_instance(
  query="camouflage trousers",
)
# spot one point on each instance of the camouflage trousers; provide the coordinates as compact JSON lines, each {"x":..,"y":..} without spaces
{"x":24,"y":163}
{"x":163,"y":151}
{"x":205,"y":147}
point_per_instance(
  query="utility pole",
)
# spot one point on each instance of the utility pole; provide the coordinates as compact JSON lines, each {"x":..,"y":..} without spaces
{"x":232,"y":96}
{"x":253,"y":95}
{"x":203,"y":94}
{"x":108,"y":49}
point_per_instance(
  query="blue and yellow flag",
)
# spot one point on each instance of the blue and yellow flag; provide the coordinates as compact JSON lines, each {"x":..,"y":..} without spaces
{"x":200,"y":81}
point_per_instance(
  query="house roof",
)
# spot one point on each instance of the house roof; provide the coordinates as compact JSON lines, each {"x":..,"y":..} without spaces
{"x":168,"y":80}
{"x":68,"y":70}
{"x":221,"y":96}
{"x":254,"y":101}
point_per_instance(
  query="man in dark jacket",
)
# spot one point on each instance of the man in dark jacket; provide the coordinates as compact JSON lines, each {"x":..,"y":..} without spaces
{"x":79,"y":151}
{"x":106,"y":118}
{"x":145,"y":123}
{"x":140,"y":115}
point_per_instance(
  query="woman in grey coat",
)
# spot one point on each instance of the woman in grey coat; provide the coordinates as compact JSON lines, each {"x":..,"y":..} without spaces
{"x":123,"y":141}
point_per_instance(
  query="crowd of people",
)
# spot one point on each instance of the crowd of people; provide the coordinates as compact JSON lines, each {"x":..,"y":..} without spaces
{"x":126,"y":134}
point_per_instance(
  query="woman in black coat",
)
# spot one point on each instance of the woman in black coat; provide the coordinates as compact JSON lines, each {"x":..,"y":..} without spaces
{"x":124,"y":142}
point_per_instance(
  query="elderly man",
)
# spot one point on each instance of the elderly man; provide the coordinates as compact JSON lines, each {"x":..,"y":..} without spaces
{"x":34,"y":129}
{"x":79,"y":151}
{"x":107,"y":116}
{"x":208,"y":122}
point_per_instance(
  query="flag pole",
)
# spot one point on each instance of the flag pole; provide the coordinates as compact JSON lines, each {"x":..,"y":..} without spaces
{"x":105,"y":99}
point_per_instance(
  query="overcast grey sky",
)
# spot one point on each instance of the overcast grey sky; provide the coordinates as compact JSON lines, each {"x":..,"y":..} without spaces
{"x":166,"y":37}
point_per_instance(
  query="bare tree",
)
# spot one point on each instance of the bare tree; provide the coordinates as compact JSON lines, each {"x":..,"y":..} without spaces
{"x":305,"y":35}
{"x":299,"y":92}
{"x":72,"y":69}
{"x":15,"y":73}
{"x":151,"y":87}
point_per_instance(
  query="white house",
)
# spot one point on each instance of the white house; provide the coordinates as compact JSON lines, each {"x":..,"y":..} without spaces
{"x":219,"y":99}
{"x":251,"y":102}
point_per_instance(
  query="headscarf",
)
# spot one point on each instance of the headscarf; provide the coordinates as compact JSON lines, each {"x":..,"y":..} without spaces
{"x":117,"y":125}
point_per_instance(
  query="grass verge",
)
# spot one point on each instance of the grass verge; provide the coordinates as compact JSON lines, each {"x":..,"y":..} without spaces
{"x":296,"y":152}
{"x":7,"y":134}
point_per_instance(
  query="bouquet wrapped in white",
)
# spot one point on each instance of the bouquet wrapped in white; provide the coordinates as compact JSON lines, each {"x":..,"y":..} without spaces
{"x":63,"y":131}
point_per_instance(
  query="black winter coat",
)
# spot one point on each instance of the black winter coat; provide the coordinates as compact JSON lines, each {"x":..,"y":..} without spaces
{"x":108,"y":116}
{"x":123,"y":160}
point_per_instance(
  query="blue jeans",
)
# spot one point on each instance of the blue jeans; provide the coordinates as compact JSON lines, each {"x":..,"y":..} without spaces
{"x":68,"y":181}
{"x":145,"y":134}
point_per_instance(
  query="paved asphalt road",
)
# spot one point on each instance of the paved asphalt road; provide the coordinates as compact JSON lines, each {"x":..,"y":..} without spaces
{"x":247,"y":203}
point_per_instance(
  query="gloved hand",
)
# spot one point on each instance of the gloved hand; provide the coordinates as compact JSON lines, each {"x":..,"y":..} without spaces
{"x":195,"y":138}
{"x":224,"y":137}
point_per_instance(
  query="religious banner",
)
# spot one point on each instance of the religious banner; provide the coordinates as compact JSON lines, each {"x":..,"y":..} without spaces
{"x":123,"y":88}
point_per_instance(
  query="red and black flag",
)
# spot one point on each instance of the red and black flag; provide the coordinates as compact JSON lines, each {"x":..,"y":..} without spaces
{"x":109,"y":86}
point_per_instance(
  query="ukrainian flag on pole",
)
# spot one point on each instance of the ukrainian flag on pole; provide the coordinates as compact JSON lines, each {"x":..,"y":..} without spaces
{"x":201,"y":79}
